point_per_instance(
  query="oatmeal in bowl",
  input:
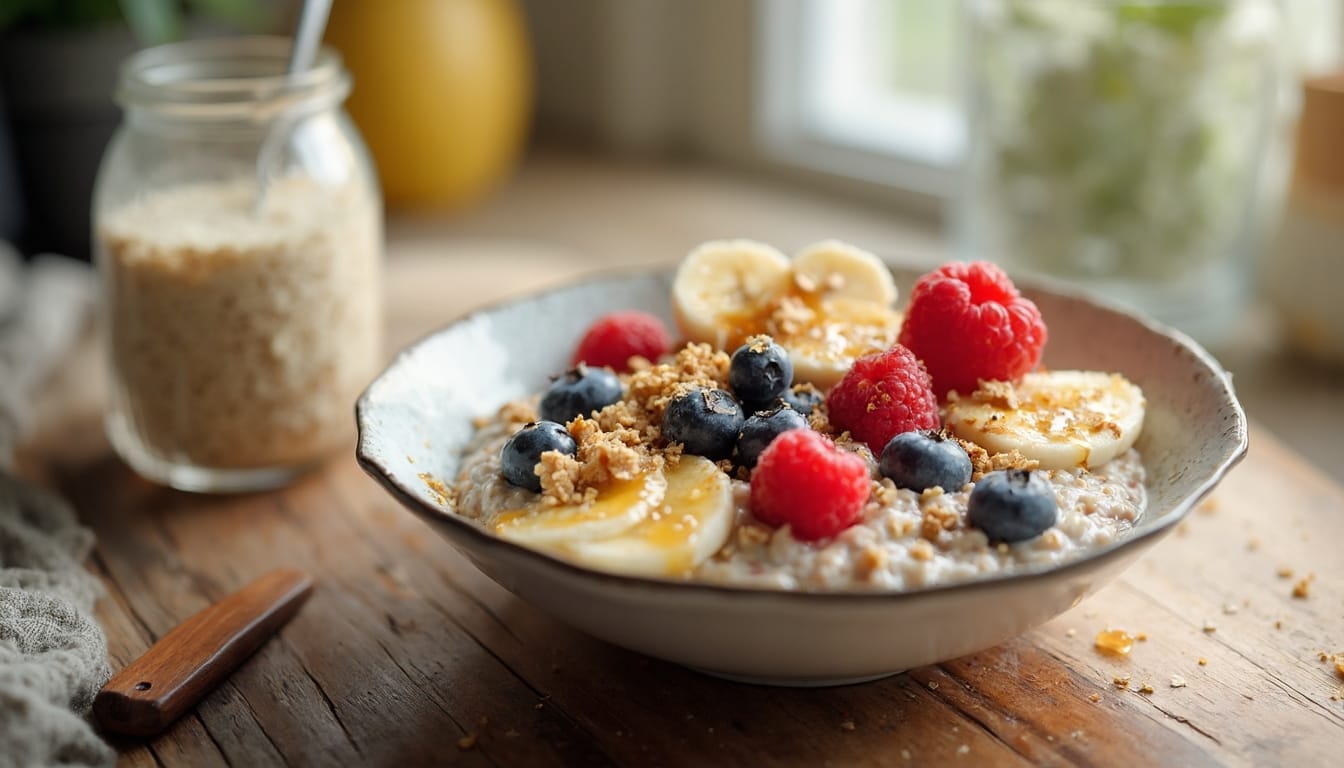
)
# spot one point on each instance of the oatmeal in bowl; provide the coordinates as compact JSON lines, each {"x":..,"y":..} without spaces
{"x":739,"y":469}
{"x":924,"y":448}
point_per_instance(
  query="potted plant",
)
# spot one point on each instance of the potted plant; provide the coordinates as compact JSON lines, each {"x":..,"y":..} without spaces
{"x":58,"y":68}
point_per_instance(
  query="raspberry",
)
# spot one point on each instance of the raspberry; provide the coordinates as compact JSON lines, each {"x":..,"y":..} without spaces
{"x":883,"y":395}
{"x":967,"y":322}
{"x":803,"y":480}
{"x":613,"y":339}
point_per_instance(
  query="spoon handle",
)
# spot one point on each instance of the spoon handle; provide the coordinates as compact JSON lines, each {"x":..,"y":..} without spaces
{"x":312,"y":23}
{"x":196,"y":655}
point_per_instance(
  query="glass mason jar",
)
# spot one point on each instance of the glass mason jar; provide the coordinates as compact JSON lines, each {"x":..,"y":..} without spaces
{"x":1124,"y":145}
{"x":238,"y":234}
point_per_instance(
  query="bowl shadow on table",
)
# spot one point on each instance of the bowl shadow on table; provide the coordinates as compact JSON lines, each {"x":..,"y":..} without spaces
{"x":1014,"y":697}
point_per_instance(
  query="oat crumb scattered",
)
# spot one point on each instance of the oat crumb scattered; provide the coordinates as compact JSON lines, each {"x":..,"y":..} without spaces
{"x":848,"y":725}
{"x":1070,"y":632}
{"x":1285,"y":573}
{"x":466,"y":742}
{"x":933,"y":685}
{"x":1229,"y":609}
{"x":1120,"y":682}
{"x":1303,"y":587}
{"x":1177,"y":681}
{"x":964,"y":750}
{"x":1208,"y":506}
{"x":1094,"y":698}
{"x":1278,"y":624}
{"x":1145,"y":688}
{"x":1203,"y":662}
{"x":1142,"y":637}
{"x":921,"y":550}
{"x":441,"y":492}
{"x":1210,"y":627}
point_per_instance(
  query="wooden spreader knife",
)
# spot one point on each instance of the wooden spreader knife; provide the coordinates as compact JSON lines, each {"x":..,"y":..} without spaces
{"x":196,"y":655}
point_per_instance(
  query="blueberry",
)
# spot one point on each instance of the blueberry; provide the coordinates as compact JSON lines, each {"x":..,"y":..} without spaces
{"x":579,"y":392}
{"x":521,"y":452}
{"x":705,"y":422}
{"x":762,"y":427}
{"x":921,"y":460}
{"x":802,"y":398}
{"x":760,"y":371}
{"x":1012,"y":505}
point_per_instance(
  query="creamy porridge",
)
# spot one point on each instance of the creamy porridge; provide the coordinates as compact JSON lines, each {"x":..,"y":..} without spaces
{"x":905,"y":540}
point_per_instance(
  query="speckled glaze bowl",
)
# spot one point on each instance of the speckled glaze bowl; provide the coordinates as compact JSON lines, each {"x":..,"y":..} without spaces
{"x":417,"y":416}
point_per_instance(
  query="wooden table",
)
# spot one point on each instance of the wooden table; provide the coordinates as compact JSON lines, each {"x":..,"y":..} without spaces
{"x":407,"y":655}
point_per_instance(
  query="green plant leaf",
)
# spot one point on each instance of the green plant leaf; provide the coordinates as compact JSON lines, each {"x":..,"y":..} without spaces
{"x":153,"y":22}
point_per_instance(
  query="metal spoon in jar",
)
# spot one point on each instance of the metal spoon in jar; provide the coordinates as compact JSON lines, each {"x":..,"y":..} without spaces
{"x":307,"y":40}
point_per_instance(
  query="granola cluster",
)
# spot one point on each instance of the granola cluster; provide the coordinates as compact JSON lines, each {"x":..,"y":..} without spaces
{"x":624,"y":439}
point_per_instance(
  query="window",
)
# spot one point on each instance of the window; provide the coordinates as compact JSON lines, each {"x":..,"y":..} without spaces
{"x":871,"y":89}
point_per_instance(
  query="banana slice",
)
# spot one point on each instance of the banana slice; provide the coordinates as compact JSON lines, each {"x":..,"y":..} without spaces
{"x":1063,"y":419}
{"x":834,"y":269}
{"x":722,"y":289}
{"x":828,"y":337}
{"x":692,"y":524}
{"x":615,"y":510}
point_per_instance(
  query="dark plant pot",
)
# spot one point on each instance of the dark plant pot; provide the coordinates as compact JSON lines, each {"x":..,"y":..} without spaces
{"x":58,"y":88}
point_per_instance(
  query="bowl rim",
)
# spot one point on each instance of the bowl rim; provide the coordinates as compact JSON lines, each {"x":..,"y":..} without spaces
{"x":479,"y":537}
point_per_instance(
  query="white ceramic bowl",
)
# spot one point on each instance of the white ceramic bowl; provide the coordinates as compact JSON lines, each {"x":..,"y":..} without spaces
{"x":417,"y":416}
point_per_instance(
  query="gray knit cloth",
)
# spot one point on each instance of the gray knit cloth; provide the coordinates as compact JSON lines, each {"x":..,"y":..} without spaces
{"x":53,"y":655}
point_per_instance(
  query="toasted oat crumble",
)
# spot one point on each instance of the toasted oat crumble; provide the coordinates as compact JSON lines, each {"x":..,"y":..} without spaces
{"x":622,"y":441}
{"x":1094,"y":698}
{"x":443,"y":494}
{"x":1119,"y":681}
{"x":1303,"y":587}
{"x":937,"y":517}
{"x":870,"y":561}
{"x":921,"y":550}
{"x":1145,"y":688}
{"x":983,"y":462}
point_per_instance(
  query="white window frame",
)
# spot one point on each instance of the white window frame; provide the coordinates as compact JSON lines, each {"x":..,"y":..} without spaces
{"x":925,"y":159}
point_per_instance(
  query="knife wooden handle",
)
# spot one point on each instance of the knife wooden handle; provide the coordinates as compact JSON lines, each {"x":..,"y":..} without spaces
{"x":196,"y":655}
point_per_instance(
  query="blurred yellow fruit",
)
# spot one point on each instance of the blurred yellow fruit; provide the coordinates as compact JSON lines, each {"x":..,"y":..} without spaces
{"x":442,"y":92}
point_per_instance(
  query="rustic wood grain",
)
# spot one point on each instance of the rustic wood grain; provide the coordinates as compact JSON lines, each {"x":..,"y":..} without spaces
{"x":405,"y":654}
